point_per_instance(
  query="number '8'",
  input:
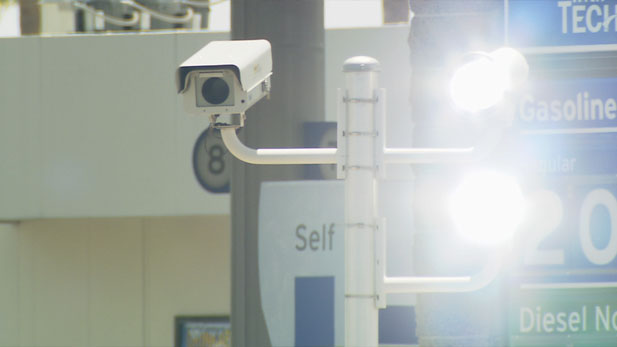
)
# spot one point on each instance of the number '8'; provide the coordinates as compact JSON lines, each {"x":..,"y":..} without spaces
{"x":216,"y":162}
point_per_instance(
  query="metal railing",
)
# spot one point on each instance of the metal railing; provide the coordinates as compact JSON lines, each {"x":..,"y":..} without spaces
{"x":125,"y":15}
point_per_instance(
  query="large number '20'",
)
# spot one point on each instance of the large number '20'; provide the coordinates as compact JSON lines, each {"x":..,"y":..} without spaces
{"x":548,"y":217}
{"x":594,"y":198}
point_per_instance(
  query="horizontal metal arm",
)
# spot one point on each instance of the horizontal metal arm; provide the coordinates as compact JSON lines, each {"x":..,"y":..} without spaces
{"x":427,"y":155}
{"x":482,"y":149}
{"x":276,"y":155}
{"x":444,"y":284}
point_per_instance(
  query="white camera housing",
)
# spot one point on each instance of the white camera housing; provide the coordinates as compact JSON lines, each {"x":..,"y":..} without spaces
{"x":225,"y":77}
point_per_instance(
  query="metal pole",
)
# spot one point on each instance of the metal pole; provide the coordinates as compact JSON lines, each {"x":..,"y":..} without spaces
{"x":361,"y":312}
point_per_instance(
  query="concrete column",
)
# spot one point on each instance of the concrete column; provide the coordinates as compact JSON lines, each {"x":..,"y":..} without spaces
{"x":296,"y":31}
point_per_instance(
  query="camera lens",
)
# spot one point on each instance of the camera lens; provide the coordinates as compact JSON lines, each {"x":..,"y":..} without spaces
{"x":215,"y":90}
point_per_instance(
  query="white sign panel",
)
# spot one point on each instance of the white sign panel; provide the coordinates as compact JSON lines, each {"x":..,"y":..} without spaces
{"x":301,"y":233}
{"x":301,"y":239}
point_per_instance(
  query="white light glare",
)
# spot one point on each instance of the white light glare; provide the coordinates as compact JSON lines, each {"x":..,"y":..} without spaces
{"x":487,"y":207}
{"x":482,"y":83}
{"x":477,"y":85}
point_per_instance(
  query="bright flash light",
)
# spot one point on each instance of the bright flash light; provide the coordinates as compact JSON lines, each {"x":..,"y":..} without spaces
{"x":482,"y":82}
{"x":487,"y":207}
{"x":477,"y":85}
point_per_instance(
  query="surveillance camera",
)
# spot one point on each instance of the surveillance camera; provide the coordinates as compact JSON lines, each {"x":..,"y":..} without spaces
{"x":225,"y":77}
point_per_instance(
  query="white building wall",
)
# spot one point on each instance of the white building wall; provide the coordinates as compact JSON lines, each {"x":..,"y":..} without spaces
{"x":91,"y":125}
{"x":112,"y":282}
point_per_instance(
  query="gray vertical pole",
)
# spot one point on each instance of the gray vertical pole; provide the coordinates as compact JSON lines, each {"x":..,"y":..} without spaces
{"x":29,"y":17}
{"x":296,"y":31}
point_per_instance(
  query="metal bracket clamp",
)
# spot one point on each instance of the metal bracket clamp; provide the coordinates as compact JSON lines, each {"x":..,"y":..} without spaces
{"x":360,"y":100}
{"x":379,"y":112}
{"x":341,"y":140}
{"x":380,"y":263}
{"x":362,"y":226}
{"x":359,"y":296}
{"x":234,"y":120}
{"x":380,"y":126}
{"x":360,"y":167}
{"x":361,"y":133}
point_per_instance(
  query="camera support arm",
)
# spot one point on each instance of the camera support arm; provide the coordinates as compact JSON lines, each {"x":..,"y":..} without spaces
{"x":276,"y":155}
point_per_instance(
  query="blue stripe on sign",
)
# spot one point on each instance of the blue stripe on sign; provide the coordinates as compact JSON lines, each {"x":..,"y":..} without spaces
{"x":397,"y":325}
{"x":314,"y":311}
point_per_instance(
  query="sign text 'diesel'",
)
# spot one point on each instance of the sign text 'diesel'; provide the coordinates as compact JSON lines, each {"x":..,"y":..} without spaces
{"x":563,"y":316}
